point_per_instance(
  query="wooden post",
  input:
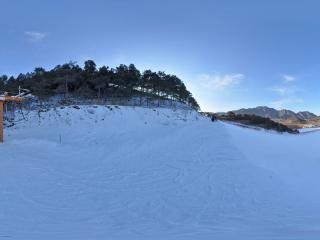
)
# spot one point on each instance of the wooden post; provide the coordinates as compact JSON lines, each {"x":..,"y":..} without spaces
{"x":3,"y":99}
{"x":1,"y":121}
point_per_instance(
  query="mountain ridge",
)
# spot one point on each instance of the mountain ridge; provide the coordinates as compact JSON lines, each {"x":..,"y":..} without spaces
{"x":287,"y":117}
{"x":283,"y":114}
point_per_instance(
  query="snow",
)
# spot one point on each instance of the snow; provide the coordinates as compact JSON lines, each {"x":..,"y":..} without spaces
{"x":295,"y":158}
{"x":309,"y":130}
{"x":139,"y":173}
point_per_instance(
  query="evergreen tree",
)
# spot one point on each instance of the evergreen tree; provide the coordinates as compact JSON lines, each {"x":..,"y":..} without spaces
{"x":124,"y":81}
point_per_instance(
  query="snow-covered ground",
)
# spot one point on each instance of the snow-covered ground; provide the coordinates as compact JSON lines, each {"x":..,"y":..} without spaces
{"x":309,"y":130}
{"x":138,"y":173}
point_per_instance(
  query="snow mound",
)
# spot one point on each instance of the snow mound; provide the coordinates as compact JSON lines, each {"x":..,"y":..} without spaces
{"x":107,"y":172}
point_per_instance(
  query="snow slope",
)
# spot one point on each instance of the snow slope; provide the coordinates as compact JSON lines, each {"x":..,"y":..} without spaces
{"x":137,"y":173}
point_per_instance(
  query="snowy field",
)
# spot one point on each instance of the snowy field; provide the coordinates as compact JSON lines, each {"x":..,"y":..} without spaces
{"x":136,"y":173}
{"x":309,"y":130}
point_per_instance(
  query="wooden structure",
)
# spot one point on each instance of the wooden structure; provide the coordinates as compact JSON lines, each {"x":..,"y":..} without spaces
{"x":3,"y":99}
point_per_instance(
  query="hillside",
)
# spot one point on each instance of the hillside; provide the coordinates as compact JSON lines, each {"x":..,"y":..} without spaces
{"x":272,"y":113}
{"x":257,"y":122}
{"x":107,"y":172}
{"x":286,"y":117}
{"x":124,"y":82}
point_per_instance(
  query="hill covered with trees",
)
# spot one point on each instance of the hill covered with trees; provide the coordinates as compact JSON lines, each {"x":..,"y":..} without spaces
{"x":257,"y":121}
{"x":90,"y":82}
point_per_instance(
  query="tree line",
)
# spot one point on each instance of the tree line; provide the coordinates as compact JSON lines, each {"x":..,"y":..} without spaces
{"x":258,"y":121}
{"x":70,"y":80}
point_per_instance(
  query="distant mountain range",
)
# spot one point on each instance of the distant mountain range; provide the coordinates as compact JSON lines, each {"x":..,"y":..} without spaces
{"x":287,"y":117}
{"x":277,"y":114}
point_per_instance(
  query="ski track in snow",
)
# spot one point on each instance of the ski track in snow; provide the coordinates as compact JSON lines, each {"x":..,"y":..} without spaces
{"x":136,"y":173}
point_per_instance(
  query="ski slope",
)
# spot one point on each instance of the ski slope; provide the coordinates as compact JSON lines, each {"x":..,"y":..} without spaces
{"x":137,"y":173}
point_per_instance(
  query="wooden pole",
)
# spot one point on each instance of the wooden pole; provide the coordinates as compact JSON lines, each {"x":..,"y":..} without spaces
{"x":3,"y":99}
{"x":1,"y":121}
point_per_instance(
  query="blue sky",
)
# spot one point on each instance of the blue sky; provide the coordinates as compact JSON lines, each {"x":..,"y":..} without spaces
{"x":230,"y":54}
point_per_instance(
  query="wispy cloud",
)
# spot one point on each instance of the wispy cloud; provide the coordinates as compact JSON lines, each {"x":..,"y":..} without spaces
{"x":220,"y":82}
{"x":285,"y":90}
{"x":35,"y":36}
{"x":288,"y":78}
{"x":281,"y":103}
{"x":286,"y":94}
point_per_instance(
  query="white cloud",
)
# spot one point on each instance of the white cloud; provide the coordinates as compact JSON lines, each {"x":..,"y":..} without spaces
{"x":281,"y":103}
{"x":284,"y":90}
{"x":288,"y":78}
{"x":220,"y":82}
{"x":287,"y":94}
{"x":35,"y":36}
